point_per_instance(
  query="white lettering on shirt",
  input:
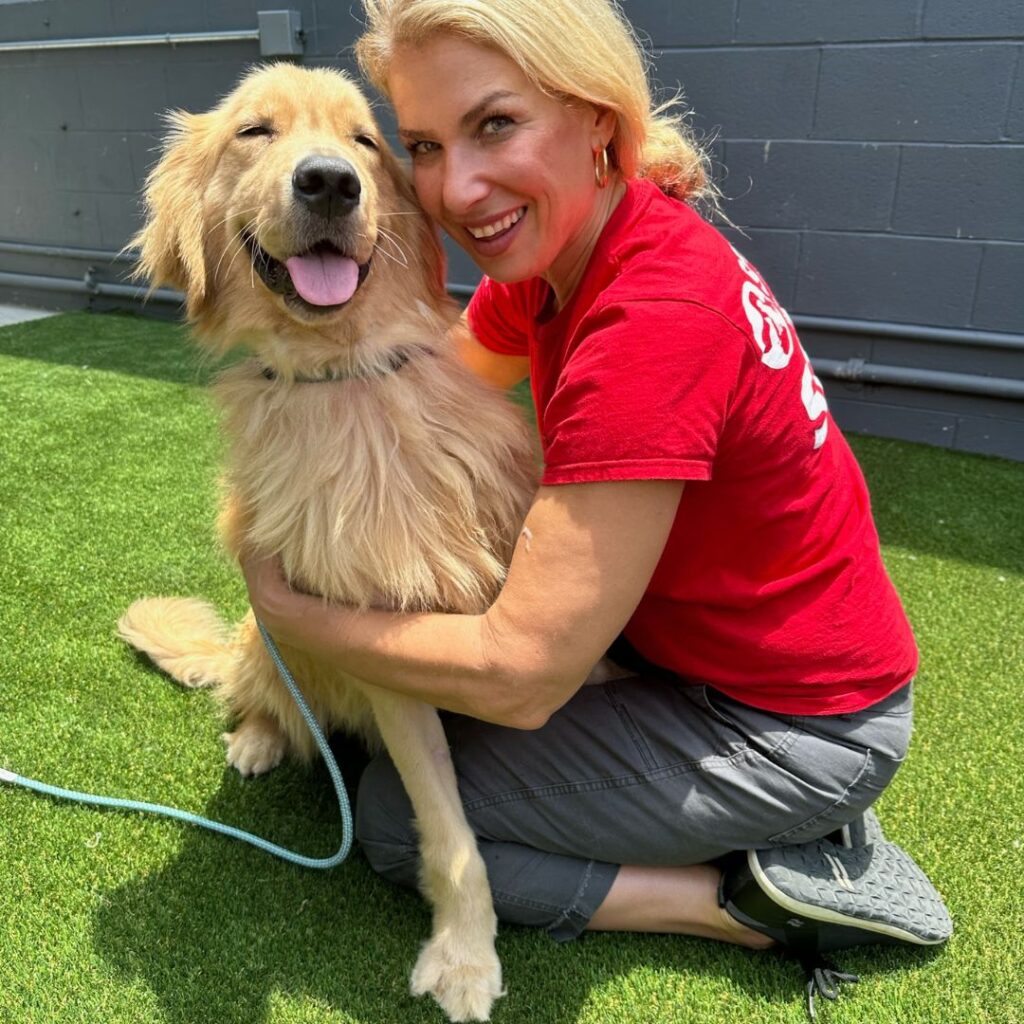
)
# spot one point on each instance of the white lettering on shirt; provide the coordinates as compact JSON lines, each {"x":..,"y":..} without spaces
{"x":776,"y":337}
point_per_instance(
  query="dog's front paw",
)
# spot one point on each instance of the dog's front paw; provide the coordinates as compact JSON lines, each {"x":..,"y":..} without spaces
{"x":255,"y":747}
{"x":465,"y":982}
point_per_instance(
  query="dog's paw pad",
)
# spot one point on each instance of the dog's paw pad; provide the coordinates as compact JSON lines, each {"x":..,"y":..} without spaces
{"x":464,"y":982}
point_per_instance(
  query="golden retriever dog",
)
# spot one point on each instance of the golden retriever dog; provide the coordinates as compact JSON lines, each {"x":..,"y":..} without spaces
{"x":360,"y":451}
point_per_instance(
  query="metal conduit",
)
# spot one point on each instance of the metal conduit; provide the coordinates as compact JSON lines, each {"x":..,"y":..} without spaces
{"x":838,"y":325}
{"x":106,"y":42}
{"x":911,"y":332}
{"x":69,"y":252}
{"x":857,"y":371}
{"x":876,"y":328}
{"x":88,"y":286}
{"x":279,"y":34}
{"x":848,"y":371}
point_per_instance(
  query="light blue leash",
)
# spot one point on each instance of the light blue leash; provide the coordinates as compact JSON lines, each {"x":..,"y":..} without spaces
{"x":216,"y":826}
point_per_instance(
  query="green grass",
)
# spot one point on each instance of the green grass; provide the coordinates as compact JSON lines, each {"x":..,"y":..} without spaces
{"x":108,"y":453}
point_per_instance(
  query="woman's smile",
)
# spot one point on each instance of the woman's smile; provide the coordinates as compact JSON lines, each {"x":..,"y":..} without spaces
{"x":504,"y":168}
{"x":498,"y":226}
{"x":496,"y":237}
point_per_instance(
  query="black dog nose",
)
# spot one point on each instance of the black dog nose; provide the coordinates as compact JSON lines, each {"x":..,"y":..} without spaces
{"x":327,"y":186}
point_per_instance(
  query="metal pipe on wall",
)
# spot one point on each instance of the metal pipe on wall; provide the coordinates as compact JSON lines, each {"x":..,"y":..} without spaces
{"x":848,"y":371}
{"x":106,"y":42}
{"x":876,"y":328}
{"x":69,"y":252}
{"x":910,"y":332}
{"x":859,"y":372}
{"x":88,"y":286}
{"x":279,"y":34}
{"x":838,"y":325}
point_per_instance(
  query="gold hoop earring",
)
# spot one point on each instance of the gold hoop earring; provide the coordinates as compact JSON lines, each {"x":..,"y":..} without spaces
{"x":601,"y":172}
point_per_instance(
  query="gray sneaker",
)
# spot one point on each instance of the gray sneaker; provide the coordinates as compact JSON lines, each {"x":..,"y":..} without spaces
{"x":817,"y":897}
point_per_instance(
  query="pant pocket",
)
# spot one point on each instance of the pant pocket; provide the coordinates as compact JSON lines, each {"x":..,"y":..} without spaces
{"x":630,"y":727}
{"x":853,"y":800}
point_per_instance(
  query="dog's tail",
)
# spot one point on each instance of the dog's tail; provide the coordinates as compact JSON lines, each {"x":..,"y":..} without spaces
{"x":181,"y":635}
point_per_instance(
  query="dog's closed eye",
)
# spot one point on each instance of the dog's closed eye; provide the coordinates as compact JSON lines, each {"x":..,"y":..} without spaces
{"x":253,"y":131}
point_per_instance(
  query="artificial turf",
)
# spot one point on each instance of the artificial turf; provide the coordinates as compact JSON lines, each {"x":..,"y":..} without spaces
{"x":108,"y":454}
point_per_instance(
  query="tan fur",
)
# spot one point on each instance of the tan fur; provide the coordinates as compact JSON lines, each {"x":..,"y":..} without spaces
{"x":183,"y":636}
{"x":401,"y":489}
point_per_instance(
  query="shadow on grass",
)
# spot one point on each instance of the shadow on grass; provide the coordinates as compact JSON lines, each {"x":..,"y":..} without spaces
{"x":224,"y":933}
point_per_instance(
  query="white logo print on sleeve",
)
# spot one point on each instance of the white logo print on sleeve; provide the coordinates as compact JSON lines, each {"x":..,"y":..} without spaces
{"x":773,"y":330}
{"x":776,"y":337}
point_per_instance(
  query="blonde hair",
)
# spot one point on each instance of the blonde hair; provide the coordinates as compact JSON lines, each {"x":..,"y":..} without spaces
{"x":577,"y":49}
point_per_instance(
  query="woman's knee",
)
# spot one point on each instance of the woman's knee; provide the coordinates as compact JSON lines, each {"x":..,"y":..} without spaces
{"x":384,"y":823}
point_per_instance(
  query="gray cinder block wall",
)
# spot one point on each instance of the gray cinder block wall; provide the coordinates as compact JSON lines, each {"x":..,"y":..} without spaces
{"x":872,"y":154}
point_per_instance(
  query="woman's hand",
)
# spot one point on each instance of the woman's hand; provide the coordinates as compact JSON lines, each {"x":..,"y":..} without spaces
{"x":280,"y":608}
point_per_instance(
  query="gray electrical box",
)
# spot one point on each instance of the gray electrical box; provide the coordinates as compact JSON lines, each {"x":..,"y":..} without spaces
{"x":280,"y":33}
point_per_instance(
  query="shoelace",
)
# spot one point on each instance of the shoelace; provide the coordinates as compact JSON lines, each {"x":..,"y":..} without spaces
{"x":823,"y":978}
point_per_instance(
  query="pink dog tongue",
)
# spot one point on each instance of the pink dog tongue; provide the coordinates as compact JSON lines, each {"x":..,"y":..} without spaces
{"x":324,"y":278}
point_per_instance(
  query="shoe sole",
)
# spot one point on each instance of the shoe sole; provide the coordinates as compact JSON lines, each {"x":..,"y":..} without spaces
{"x":888,"y":895}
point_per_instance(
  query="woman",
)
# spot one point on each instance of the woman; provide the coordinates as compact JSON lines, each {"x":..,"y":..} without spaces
{"x":699,"y":511}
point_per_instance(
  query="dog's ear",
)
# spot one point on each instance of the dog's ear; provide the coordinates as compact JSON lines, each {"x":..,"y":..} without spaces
{"x":171,"y":243}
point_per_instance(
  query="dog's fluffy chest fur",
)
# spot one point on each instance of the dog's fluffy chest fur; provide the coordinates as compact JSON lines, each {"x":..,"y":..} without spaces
{"x":402,"y":490}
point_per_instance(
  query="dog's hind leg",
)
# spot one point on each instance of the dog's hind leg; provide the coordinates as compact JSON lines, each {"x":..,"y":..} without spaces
{"x":181,"y":635}
{"x":458,"y":966}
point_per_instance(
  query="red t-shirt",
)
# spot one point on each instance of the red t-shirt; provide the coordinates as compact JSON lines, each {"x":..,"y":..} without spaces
{"x":673,"y":360}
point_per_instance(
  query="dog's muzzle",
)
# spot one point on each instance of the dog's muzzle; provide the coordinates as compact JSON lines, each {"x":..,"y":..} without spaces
{"x":322,"y":275}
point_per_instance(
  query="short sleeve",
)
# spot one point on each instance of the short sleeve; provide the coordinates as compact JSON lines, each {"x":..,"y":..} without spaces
{"x":499,"y":319}
{"x":645,"y":393}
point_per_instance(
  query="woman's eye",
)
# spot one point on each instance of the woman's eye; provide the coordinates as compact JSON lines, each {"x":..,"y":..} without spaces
{"x":251,"y":131}
{"x":495,"y":124}
{"x":421,"y":148}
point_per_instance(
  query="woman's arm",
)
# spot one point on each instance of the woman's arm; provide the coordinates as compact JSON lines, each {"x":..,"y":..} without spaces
{"x":498,"y":370}
{"x":580,"y":567}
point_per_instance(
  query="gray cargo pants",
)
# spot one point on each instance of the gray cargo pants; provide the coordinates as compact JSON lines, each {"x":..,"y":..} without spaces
{"x":637,"y":771}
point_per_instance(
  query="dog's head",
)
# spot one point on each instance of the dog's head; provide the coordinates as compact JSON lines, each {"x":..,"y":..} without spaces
{"x":284,"y":208}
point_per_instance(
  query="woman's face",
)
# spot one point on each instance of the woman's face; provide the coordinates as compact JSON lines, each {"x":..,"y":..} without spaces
{"x":504,"y":168}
